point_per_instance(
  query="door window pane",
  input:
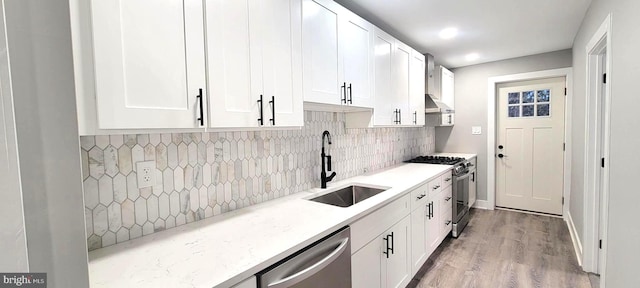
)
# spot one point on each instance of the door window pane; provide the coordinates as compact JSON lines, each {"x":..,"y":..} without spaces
{"x":527,"y":110}
{"x":543,"y":109}
{"x":543,"y":95}
{"x":528,"y":97}
{"x":514,"y":98}
{"x":514,"y":111}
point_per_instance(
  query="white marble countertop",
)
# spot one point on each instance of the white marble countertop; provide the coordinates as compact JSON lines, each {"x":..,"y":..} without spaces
{"x":224,"y":250}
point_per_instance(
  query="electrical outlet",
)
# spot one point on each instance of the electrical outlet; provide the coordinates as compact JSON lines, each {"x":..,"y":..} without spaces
{"x":476,"y":130}
{"x":146,"y":173}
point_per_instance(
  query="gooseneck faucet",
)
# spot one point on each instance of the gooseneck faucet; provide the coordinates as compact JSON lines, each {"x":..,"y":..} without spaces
{"x":323,"y":156}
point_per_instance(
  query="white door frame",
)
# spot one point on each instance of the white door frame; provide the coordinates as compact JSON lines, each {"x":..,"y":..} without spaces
{"x":491,"y":128}
{"x":594,"y":211}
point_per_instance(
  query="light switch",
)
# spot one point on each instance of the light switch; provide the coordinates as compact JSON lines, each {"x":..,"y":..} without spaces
{"x":476,"y":130}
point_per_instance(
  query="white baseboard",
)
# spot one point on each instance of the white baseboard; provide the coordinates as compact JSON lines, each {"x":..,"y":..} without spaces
{"x":575,"y":238}
{"x":482,"y":204}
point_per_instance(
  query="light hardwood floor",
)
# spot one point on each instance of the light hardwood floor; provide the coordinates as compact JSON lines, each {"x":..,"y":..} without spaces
{"x":505,"y":249}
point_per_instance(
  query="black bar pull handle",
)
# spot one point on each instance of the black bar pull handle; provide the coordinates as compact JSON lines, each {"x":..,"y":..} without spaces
{"x":415,"y":117}
{"x":350,"y":94}
{"x":386,"y":252}
{"x":343,"y":92}
{"x":201,"y":104}
{"x":261,"y":119}
{"x":273,"y":110}
{"x":431,"y":210}
{"x":399,"y":116}
{"x":392,"y":242}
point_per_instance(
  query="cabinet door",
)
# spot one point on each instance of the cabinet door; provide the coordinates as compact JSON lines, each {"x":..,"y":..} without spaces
{"x":357,"y":35}
{"x":434,"y":225}
{"x":418,"y":238}
{"x":384,"y":91}
{"x":366,"y":265}
{"x":149,"y":63}
{"x":281,"y":61}
{"x":447,"y":94}
{"x":417,"y":93}
{"x":401,"y":72}
{"x":397,"y":267}
{"x":234,"y":62}
{"x":321,"y":56}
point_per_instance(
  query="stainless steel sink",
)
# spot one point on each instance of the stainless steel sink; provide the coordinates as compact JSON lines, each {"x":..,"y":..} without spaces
{"x":348,"y":196}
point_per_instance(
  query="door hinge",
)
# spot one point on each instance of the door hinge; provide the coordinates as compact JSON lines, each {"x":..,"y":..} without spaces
{"x":564,"y":146}
{"x":600,"y":245}
{"x":604,"y":78}
{"x":602,"y":162}
{"x":562,"y":200}
{"x":565,"y":91}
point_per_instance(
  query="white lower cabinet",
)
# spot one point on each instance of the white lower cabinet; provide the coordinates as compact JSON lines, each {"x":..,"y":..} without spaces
{"x":251,"y":282}
{"x":385,"y":261}
{"x":419,"y":253}
{"x":434,"y":223}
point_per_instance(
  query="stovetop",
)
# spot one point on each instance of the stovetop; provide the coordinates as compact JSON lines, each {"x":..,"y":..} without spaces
{"x":437,"y":160}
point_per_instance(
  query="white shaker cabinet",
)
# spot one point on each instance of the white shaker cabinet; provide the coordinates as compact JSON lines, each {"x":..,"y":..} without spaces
{"x":386,"y":100}
{"x":401,"y":72}
{"x":416,"y":89}
{"x":148,"y":63}
{"x":254,"y":51}
{"x":337,"y":55}
{"x":385,"y":261}
{"x":356,"y":43}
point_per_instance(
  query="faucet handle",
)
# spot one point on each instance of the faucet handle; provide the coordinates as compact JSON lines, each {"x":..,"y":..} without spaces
{"x":328,"y":163}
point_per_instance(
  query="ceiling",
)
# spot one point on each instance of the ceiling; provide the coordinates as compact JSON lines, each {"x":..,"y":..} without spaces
{"x":493,"y":29}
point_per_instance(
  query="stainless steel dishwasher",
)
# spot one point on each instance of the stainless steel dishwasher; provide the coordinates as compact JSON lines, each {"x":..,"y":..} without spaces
{"x":325,"y":263}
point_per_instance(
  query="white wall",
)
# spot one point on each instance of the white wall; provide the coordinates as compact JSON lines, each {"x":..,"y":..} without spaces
{"x":41,"y":70}
{"x":13,"y":245}
{"x":623,"y":245}
{"x":472,"y":100}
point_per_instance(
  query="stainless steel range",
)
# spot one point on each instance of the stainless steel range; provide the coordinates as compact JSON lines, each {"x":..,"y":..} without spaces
{"x":461,"y":183}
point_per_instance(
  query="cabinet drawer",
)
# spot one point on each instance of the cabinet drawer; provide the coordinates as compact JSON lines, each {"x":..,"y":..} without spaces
{"x":435,"y":186}
{"x":419,"y":196}
{"x":447,"y":221}
{"x":374,"y":224}
{"x":446,"y":199}
{"x":446,"y":179}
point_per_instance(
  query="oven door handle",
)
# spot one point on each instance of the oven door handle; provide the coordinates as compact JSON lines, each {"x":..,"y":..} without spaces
{"x":313,"y":269}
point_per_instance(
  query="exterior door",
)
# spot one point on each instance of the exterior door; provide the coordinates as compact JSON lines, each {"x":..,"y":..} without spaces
{"x":529,"y":168}
{"x":149,"y":63}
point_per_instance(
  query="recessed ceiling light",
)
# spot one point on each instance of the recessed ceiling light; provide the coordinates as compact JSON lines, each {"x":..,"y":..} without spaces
{"x":448,"y":33}
{"x":472,"y":56}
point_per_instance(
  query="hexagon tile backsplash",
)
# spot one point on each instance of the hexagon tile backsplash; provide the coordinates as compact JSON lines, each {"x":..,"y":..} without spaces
{"x":200,"y":175}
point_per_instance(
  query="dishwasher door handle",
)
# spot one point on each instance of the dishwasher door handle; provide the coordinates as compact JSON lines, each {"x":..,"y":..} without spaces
{"x":313,"y":269}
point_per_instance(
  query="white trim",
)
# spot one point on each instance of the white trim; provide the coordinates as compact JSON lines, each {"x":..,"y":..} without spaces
{"x":575,"y":238}
{"x":491,"y":128}
{"x":482,"y":204}
{"x":595,"y":212}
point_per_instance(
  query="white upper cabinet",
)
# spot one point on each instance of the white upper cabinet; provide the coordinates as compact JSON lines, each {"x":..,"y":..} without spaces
{"x":447,"y":94}
{"x":402,"y":56}
{"x":356,"y":42}
{"x":386,"y":102}
{"x":416,"y":88}
{"x":322,"y":67}
{"x":337,"y":55}
{"x":254,"y":63}
{"x":149,"y":63}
